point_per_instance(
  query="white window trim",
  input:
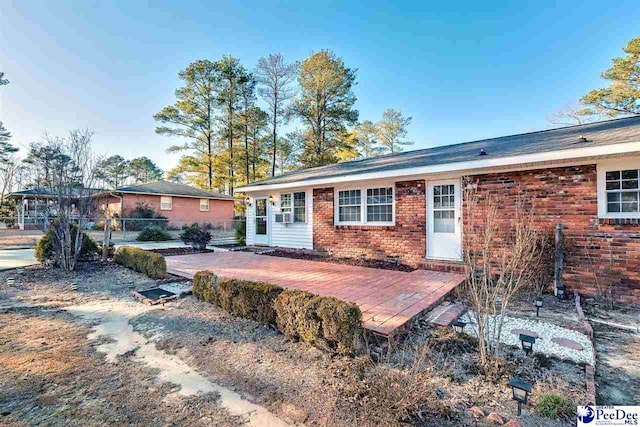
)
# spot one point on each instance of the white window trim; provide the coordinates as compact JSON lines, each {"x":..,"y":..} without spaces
{"x":363,"y":205}
{"x":607,"y":166}
{"x":170,"y":208}
{"x":208,"y":205}
{"x":293,"y":205}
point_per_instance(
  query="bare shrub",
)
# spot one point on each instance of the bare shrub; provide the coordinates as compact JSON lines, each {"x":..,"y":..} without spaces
{"x":502,"y":257}
{"x":379,"y":394}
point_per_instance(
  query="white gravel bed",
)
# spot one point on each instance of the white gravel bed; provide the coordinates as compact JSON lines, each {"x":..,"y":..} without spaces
{"x":546,"y":331}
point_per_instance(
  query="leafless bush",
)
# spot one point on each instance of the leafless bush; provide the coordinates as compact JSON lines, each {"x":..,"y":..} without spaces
{"x":502,"y":257}
{"x":382,"y":394}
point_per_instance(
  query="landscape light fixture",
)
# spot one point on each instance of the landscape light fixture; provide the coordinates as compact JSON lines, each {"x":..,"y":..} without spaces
{"x":538,"y":306}
{"x":561,"y":293}
{"x":527,"y":342}
{"x":11,"y":281}
{"x":458,"y":326}
{"x":520,"y":391}
{"x":498,"y":303}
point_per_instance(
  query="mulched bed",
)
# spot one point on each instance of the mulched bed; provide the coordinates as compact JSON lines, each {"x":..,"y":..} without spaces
{"x":309,"y":256}
{"x":180,"y":251}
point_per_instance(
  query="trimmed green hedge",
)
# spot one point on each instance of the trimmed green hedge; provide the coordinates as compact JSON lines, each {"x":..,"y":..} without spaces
{"x":153,"y":234}
{"x":324,"y":322}
{"x":251,"y":300}
{"x":149,"y":263}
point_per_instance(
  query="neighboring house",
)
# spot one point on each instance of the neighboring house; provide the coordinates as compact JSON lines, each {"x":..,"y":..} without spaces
{"x":177,"y":202}
{"x":409,"y":205}
{"x":35,"y":206}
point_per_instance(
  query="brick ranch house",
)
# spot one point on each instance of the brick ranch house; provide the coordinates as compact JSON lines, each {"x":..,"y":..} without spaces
{"x":410,"y":205}
{"x":177,"y":202}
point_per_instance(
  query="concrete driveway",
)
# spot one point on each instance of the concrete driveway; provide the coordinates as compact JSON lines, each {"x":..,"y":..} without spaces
{"x":14,"y":258}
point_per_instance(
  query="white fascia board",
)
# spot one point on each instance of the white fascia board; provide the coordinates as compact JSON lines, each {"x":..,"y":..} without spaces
{"x":549,"y":156}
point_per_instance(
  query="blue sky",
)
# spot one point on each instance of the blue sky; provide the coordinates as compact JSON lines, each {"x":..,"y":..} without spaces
{"x":463,"y":70}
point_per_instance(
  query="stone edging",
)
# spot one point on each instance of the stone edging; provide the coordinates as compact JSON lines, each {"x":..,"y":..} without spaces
{"x":589,"y":370}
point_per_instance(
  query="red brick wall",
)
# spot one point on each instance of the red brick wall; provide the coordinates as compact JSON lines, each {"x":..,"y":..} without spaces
{"x":597,"y":252}
{"x":184,"y":209}
{"x":406,"y":239}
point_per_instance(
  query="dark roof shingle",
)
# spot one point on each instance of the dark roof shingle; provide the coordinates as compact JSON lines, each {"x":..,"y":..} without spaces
{"x":599,"y":133}
{"x":171,"y":189}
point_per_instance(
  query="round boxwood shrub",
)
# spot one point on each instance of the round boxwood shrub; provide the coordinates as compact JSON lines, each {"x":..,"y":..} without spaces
{"x":44,"y":251}
{"x":153,"y":234}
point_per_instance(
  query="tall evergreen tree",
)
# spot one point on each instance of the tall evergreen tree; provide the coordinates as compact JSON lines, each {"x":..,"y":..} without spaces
{"x":325,"y":106}
{"x":275,"y":78}
{"x":193,"y":115}
{"x":247,"y":100}
{"x":232,"y":76}
{"x":143,"y":169}
{"x":113,"y":171}
{"x":392,"y":129}
{"x":367,"y":139}
{"x":622,"y":96}
{"x":5,"y":147}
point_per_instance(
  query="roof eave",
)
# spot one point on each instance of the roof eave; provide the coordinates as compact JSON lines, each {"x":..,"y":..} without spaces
{"x":174,"y":195}
{"x":549,"y":156}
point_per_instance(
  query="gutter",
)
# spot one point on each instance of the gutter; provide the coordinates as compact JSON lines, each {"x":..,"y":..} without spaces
{"x":608,"y":150}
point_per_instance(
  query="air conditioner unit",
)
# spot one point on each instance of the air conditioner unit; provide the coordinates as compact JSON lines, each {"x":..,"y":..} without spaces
{"x":287,"y":217}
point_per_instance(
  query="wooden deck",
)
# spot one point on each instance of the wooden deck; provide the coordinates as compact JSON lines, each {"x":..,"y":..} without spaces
{"x":388,"y":299}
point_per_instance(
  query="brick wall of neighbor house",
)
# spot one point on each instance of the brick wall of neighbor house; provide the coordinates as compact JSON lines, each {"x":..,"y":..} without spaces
{"x":599,"y":253}
{"x":406,"y":239}
{"x":183,"y":208}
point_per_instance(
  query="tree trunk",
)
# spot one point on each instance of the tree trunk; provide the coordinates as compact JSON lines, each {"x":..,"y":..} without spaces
{"x":275,"y":137}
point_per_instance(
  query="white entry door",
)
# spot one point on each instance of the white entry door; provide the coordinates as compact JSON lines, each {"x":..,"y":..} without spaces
{"x":261,"y":221}
{"x":444,"y":222}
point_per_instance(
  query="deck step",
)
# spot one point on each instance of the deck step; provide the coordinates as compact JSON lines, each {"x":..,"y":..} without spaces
{"x":442,"y":265}
{"x":446,"y":313}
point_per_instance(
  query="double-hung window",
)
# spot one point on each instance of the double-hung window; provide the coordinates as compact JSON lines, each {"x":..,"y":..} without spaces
{"x":380,"y":204}
{"x":294,"y":203}
{"x":373,"y":205}
{"x":618,"y":182}
{"x":166,"y":203}
{"x":204,"y":205}
{"x":350,"y":206}
{"x":623,"y":193}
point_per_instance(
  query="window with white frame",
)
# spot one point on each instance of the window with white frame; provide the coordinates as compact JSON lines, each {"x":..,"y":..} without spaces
{"x":623,"y":192}
{"x":166,"y":203}
{"x":380,"y":204}
{"x":349,"y":206}
{"x":294,"y":203}
{"x":299,"y":207}
{"x":204,"y":205}
{"x":374,"y":205}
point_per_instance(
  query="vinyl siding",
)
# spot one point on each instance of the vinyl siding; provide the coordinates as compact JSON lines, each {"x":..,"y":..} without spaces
{"x":297,"y":235}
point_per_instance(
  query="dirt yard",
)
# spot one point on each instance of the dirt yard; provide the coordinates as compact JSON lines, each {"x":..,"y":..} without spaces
{"x":93,"y":357}
{"x":617,"y":352}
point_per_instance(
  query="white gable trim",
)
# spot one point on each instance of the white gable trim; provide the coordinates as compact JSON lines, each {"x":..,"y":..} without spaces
{"x":461,"y":167}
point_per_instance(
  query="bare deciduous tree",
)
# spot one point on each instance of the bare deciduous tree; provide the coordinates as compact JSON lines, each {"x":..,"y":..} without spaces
{"x":73,"y":177}
{"x":502,"y":257}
